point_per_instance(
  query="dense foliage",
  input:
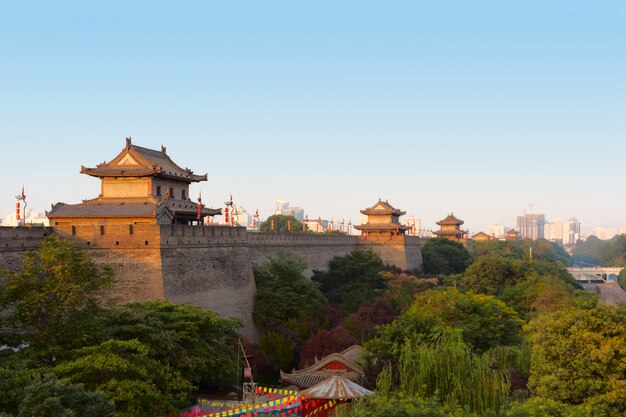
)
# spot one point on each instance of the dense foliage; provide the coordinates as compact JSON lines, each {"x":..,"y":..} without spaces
{"x":49,"y":301}
{"x":73,"y":356}
{"x":352,"y":280}
{"x":579,"y":356}
{"x":503,"y":335}
{"x":283,"y":292}
{"x":444,"y":256}
{"x":557,"y":351}
{"x":594,"y":251}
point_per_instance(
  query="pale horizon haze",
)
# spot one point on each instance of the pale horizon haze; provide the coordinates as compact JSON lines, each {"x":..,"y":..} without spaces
{"x":477,"y":108}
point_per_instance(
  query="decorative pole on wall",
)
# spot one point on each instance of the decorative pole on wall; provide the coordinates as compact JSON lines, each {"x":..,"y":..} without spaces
{"x":22,"y":197}
{"x":229,"y":207}
{"x":255,"y":219}
{"x":199,"y":209}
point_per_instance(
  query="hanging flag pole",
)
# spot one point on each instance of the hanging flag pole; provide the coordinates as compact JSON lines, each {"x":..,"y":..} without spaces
{"x":22,"y":197}
{"x":199,"y":208}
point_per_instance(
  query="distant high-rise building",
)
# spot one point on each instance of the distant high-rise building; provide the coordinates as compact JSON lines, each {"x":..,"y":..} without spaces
{"x":531,"y":226}
{"x":565,"y":232}
{"x":571,"y":231}
{"x":283,"y":207}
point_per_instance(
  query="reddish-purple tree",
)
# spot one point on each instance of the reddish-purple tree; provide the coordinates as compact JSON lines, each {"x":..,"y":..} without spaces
{"x":325,"y":342}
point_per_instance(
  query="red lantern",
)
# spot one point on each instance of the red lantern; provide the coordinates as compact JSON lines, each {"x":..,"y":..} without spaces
{"x":247,"y":373}
{"x":17,"y":210}
{"x":226,"y":217}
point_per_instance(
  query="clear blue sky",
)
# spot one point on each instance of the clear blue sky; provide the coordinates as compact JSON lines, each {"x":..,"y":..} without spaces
{"x":474,"y":107}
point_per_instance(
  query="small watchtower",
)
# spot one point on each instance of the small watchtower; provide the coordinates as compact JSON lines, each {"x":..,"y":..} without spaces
{"x":382,"y":220}
{"x":450,"y":228}
{"x":139,"y":185}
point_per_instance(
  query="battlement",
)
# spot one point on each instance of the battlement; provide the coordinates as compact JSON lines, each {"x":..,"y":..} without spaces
{"x":151,"y":236}
{"x":22,"y":238}
{"x":299,"y":239}
{"x":214,"y":235}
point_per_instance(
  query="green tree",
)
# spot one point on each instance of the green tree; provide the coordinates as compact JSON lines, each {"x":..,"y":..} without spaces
{"x":443,"y":256}
{"x":283,"y":292}
{"x":490,"y":274}
{"x":280,"y":348}
{"x":542,"y":407}
{"x":397,"y":406}
{"x":196,"y":342}
{"x":539,"y":294}
{"x":621,"y":279}
{"x":47,"y":396}
{"x":521,"y":249}
{"x":614,"y":252}
{"x":124,"y":373}
{"x":52,"y":298}
{"x":282,"y":224}
{"x":579,"y":356}
{"x":484,"y":322}
{"x":447,"y":369}
{"x":589,"y":251}
{"x":352,"y":280}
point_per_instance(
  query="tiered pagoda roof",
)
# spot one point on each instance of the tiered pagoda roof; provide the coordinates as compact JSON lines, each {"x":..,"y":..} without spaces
{"x":450,"y":221}
{"x":334,"y":364}
{"x":136,"y":161}
{"x":382,"y":217}
{"x":129,"y":168}
{"x":382,"y":207}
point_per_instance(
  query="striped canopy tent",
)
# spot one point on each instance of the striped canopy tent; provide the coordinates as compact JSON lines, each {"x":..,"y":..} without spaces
{"x":326,"y":395}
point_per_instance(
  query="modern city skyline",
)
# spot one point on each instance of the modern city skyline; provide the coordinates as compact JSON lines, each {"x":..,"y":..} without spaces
{"x":478,"y":109}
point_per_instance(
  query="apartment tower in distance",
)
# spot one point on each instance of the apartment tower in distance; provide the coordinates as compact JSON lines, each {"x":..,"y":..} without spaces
{"x":531,"y":226}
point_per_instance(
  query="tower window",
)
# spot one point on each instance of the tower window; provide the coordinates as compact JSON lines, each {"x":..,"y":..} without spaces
{"x":171,"y":192}
{"x":158,"y":191}
{"x":182,"y":194}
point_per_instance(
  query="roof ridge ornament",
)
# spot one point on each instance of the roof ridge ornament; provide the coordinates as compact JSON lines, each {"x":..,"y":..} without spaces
{"x":129,"y":142}
{"x":163,"y":149}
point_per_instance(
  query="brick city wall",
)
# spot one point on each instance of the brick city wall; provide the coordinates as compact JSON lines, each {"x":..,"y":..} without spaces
{"x":208,"y":266}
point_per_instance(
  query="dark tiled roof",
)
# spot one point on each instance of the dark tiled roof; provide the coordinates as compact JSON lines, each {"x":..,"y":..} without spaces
{"x":135,"y":208}
{"x":450,"y":220}
{"x":481,"y":235}
{"x":98,"y":209}
{"x":147,"y":162}
{"x":382,"y":207}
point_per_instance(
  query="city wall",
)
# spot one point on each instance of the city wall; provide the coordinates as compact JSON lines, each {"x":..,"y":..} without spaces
{"x":208,"y":266}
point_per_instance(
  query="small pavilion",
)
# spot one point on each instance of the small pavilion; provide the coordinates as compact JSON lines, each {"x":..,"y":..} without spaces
{"x":450,"y":228}
{"x":512,"y":234}
{"x":481,"y":236}
{"x":382,"y":220}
